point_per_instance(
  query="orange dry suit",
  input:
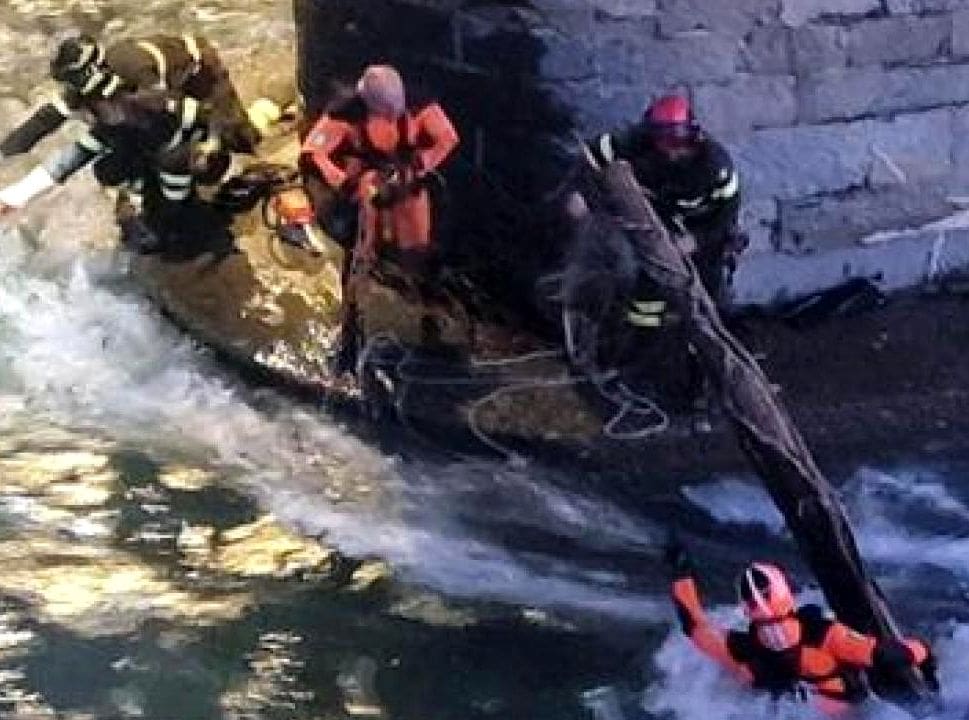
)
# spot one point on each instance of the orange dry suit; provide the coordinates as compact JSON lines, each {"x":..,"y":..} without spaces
{"x":363,"y":155}
{"x":806,"y":653}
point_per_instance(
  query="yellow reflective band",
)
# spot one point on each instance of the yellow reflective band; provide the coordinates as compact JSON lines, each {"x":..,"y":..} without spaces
{"x":590,"y":158}
{"x":209,"y":146}
{"x":263,"y":113}
{"x":179,"y":180}
{"x":190,"y":112}
{"x":728,"y":189}
{"x":649,"y":307}
{"x":111,"y":87}
{"x":648,"y":321}
{"x":606,"y":149}
{"x":96,"y":79}
{"x":61,"y":106}
{"x":161,"y":65}
{"x":192,"y":47}
{"x":691,"y":204}
{"x":176,"y":194}
{"x":86,"y":54}
{"x":91,"y":144}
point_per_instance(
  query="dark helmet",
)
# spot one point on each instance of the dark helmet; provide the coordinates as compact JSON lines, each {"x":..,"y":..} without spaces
{"x":77,"y":61}
{"x":671,"y":124}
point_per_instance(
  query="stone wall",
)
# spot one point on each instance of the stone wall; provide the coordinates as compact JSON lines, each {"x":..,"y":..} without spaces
{"x":846,"y":117}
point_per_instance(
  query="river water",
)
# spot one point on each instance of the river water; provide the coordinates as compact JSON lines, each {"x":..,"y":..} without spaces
{"x":177,"y":544}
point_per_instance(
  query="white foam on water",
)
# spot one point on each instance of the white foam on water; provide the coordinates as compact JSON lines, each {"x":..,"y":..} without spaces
{"x":75,"y":351}
{"x":690,"y":686}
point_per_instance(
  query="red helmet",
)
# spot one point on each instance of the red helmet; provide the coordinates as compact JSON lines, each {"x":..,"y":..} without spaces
{"x":670,"y":120}
{"x":765,"y":593}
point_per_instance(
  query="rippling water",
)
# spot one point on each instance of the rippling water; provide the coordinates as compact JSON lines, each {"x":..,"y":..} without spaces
{"x":177,"y":545}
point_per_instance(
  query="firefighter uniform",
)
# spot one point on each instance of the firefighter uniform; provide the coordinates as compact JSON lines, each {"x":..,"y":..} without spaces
{"x":186,"y":64}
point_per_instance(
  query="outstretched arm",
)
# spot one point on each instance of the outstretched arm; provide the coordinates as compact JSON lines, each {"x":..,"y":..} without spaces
{"x":43,"y":121}
{"x":54,"y":170}
{"x":708,"y":637}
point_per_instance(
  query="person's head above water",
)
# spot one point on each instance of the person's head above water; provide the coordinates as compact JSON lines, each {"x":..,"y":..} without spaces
{"x":765,"y":593}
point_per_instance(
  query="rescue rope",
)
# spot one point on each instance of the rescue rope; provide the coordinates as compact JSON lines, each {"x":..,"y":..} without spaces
{"x":627,"y":402}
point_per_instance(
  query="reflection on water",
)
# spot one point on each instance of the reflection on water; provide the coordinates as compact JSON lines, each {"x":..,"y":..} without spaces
{"x":139,"y":588}
{"x":82,"y":531}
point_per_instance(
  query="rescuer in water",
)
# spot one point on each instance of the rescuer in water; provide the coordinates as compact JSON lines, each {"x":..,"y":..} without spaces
{"x":786,"y":649}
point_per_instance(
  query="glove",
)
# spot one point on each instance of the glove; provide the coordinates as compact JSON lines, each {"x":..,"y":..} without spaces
{"x":737,"y":241}
{"x":930,"y":669}
{"x":389,"y":193}
{"x":893,"y":656}
{"x":677,"y":557}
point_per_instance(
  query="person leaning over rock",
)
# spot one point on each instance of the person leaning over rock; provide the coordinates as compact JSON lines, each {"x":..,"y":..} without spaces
{"x":145,"y":139}
{"x":691,"y":182}
{"x":162,"y":114}
{"x":187,"y":64}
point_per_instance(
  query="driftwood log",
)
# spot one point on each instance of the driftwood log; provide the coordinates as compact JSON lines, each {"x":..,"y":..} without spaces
{"x":766,"y":433}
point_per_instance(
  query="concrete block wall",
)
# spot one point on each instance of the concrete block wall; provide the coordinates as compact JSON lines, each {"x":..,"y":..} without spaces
{"x":848,"y":118}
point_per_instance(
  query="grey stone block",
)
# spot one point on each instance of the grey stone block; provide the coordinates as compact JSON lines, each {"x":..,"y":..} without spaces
{"x":811,"y":159}
{"x":806,"y":160}
{"x":798,"y":12}
{"x":770,"y":278}
{"x":818,"y":47}
{"x":960,"y":143}
{"x":621,"y":50}
{"x":857,"y":92}
{"x":952,"y":254}
{"x":597,"y":107}
{"x":960,"y":33}
{"x":565,"y":57}
{"x":625,"y":9}
{"x":758,"y":217}
{"x":625,"y":57}
{"x":905,"y":38}
{"x":735,"y":18}
{"x":767,"y":50}
{"x":910,"y":148}
{"x":921,"y":7}
{"x":820,"y":224}
{"x":746,"y":103}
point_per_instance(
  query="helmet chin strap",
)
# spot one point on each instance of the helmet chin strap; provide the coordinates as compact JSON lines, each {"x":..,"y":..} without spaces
{"x":757,"y":597}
